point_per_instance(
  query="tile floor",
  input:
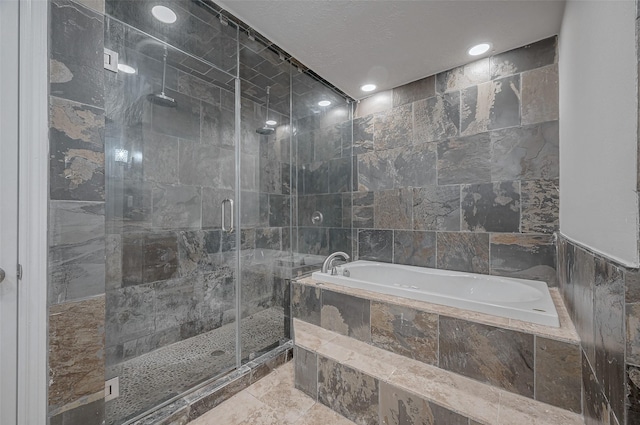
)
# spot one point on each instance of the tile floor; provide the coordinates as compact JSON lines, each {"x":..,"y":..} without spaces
{"x":272,"y":401}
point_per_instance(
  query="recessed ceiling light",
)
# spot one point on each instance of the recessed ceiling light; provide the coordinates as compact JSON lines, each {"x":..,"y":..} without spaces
{"x":271,"y":122}
{"x":164,"y":14}
{"x":126,"y":68}
{"x":368,"y":87}
{"x":324,"y":103}
{"x":479,"y":49}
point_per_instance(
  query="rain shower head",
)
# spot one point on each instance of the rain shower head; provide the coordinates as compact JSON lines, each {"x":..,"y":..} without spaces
{"x":162,"y":99}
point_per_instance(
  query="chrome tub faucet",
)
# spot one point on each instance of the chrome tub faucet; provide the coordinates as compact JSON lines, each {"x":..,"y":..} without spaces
{"x":328,"y":263}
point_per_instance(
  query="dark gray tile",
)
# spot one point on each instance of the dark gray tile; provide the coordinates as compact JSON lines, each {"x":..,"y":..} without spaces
{"x":315,"y":178}
{"x":524,"y":256}
{"x":87,"y":414}
{"x":558,"y":372}
{"x":161,"y":158}
{"x":491,"y":207}
{"x":269,"y":238}
{"x":347,"y":391}
{"x":270,"y":175}
{"x":279,"y":210}
{"x":130,"y":314}
{"x":328,"y":142}
{"x":113,"y":261}
{"x":464,"y":76}
{"x":414,"y":248}
{"x":416,"y":167}
{"x":416,"y":90}
{"x":540,"y":95}
{"x":437,"y":118}
{"x":399,"y":407}
{"x":195,"y":251}
{"x":393,"y":128}
{"x":76,"y":57}
{"x":160,"y":257}
{"x":340,"y":240}
{"x":313,"y":240}
{"x":491,"y":105}
{"x":436,"y":208}
{"x":593,"y":401}
{"x":529,"y":152}
{"x":362,"y":135}
{"x":539,"y":201}
{"x":306,"y":371}
{"x":465,"y":160}
{"x":76,"y":250}
{"x":198,"y":88}
{"x":535,"y":55}
{"x":176,"y":303}
{"x":362,"y":209}
{"x":610,"y":338}
{"x":305,"y":303}
{"x":177,"y":206}
{"x":379,"y":102}
{"x":633,"y":394}
{"x":217,"y":126}
{"x":340,"y":175}
{"x":392,"y":209}
{"x":183,"y":121}
{"x":346,"y":315}
{"x":211,"y":202}
{"x":467,"y":252}
{"x":77,"y":151}
{"x":375,"y":245}
{"x":405,"y":331}
{"x":497,"y":356}
{"x":583,"y":282}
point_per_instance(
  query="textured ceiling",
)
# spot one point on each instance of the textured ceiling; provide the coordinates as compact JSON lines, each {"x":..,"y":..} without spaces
{"x":391,"y":42}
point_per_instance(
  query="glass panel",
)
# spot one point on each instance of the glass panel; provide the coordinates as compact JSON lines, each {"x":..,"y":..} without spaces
{"x":265,"y":212}
{"x":323,"y":164}
{"x":170,"y":150}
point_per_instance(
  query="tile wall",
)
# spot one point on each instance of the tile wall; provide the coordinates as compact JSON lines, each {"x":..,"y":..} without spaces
{"x":460,"y":170}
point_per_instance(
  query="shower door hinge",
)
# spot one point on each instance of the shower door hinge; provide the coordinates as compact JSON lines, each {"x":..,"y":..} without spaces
{"x":19,"y":272}
{"x":111,"y":60}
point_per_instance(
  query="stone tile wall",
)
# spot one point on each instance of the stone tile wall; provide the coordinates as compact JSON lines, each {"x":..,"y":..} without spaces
{"x":460,"y":170}
{"x":602,"y":299}
{"x":530,"y":365}
{"x":76,"y":214}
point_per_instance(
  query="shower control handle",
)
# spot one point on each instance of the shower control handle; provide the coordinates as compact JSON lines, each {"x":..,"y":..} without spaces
{"x":224,"y":213}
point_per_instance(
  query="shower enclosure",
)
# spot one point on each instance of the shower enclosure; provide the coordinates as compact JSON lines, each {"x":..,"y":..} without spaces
{"x":208,"y":212}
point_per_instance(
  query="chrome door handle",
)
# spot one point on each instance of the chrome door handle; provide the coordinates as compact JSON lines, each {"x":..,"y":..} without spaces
{"x":2,"y":275}
{"x":224,"y":213}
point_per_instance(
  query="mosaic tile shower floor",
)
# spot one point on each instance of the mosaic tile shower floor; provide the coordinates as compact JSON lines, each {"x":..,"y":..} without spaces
{"x":272,"y":401}
{"x":155,"y":377}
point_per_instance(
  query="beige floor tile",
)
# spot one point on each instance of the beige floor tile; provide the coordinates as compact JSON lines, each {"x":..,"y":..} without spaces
{"x":361,"y":356}
{"x":515,"y":409}
{"x":309,"y":336}
{"x":233,"y":411}
{"x":322,"y":415}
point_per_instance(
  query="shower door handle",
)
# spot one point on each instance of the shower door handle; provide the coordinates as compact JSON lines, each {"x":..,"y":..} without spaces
{"x":224,"y":214}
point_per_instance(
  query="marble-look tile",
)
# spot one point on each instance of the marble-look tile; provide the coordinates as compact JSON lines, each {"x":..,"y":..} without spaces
{"x":176,"y":303}
{"x":183,"y":121}
{"x":463,"y":76}
{"x":540,"y":95}
{"x":160,"y":257}
{"x":583,"y":282}
{"x":76,"y":53}
{"x":632,"y":286}
{"x":195,"y":250}
{"x":491,"y":207}
{"x":321,"y":415}
{"x":539,"y":201}
{"x":374,"y":104}
{"x":77,"y":151}
{"x":467,"y":252}
{"x":414,"y":248}
{"x":491,"y":105}
{"x":375,"y":245}
{"x":593,"y":401}
{"x":310,"y":337}
{"x":464,"y":160}
{"x":177,"y":206}
{"x":633,"y":394}
{"x":130,"y":313}
{"x":515,"y":409}
{"x":113,"y":262}
{"x":76,"y":250}
{"x":363,"y":134}
{"x":346,"y":315}
{"x":200,"y":164}
{"x":87,"y":414}
{"x":524,"y":256}
{"x":397,"y":168}
{"x":348,"y":392}
{"x":416,"y":90}
{"x":558,"y":374}
{"x":436,"y":118}
{"x":76,"y":350}
{"x":236,"y":409}
{"x":306,"y":303}
{"x":496,"y":356}
{"x":449,"y":390}
{"x":529,"y":152}
{"x":306,"y":371}
{"x":632,"y":326}
{"x":535,"y":55}
{"x":609,"y":332}
{"x":405,"y":331}
{"x":204,"y":400}
{"x":392,"y":209}
{"x":398,"y":407}
{"x":436,"y":208}
{"x":393,"y":128}
{"x":362,"y":210}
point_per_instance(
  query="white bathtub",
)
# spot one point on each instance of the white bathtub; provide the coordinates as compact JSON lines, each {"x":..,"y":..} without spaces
{"x":521,"y":299}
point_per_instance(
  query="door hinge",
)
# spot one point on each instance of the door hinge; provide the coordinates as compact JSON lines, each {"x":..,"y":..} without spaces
{"x":19,"y":272}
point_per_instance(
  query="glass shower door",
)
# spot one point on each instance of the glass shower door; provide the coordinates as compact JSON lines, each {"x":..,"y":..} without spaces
{"x":170,"y":146}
